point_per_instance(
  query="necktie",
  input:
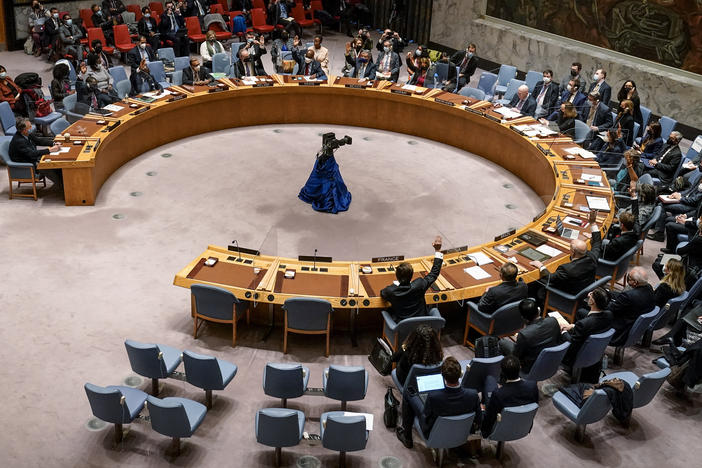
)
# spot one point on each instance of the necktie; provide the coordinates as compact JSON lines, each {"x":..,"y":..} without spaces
{"x":307,"y":69}
{"x":199,"y":7}
{"x":591,"y":117}
{"x":464,"y":63}
{"x":174,"y":26}
{"x":540,"y":99}
{"x":93,"y":100}
{"x":596,"y":89}
{"x":248,"y":68}
{"x":520,"y":104}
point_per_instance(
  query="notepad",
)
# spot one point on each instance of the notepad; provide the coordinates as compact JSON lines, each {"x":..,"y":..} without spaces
{"x":218,"y":76}
{"x":113,"y":107}
{"x":156,"y":95}
{"x":548,"y":250}
{"x":559,"y":318}
{"x":507,"y":112}
{"x":477,"y":273}
{"x":248,"y":82}
{"x":408,"y":87}
{"x":597,"y":203}
{"x":480,"y":258}
{"x":63,"y":149}
{"x":594,"y":178}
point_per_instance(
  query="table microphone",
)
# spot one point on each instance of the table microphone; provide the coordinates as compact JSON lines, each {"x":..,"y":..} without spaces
{"x":314,"y":261}
{"x":239,"y":259}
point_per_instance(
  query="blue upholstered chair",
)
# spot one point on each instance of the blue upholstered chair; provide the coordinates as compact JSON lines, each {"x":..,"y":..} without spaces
{"x":590,"y":352}
{"x":645,"y":118}
{"x":167,"y":54}
{"x":581,"y":131}
{"x":220,"y":62}
{"x":475,"y":93}
{"x":118,"y":73}
{"x":486,"y":83}
{"x":616,"y":269}
{"x":181,"y":63}
{"x":122,"y":88}
{"x":667,"y":125}
{"x":547,"y":363}
{"x":594,"y":409}
{"x":115,"y":404}
{"x":510,"y":91}
{"x":155,"y":361}
{"x":59,"y":125}
{"x":207,"y":373}
{"x":309,"y":316}
{"x":19,"y":172}
{"x":175,"y":417}
{"x":343,"y":433}
{"x":513,"y":423}
{"x":506,"y":73}
{"x":158,"y":72}
{"x":285,"y":381}
{"x":177,"y":78}
{"x":397,"y":332}
{"x":279,"y":427}
{"x":482,"y":374}
{"x":235,"y":50}
{"x":657,"y":213}
{"x":447,"y":432}
{"x":7,"y":119}
{"x":533,"y":77}
{"x":415,"y":371}
{"x":567,"y":304}
{"x":213,"y":304}
{"x":644,"y":387}
{"x":636,"y":333}
{"x":345,"y":383}
{"x":665,"y":315}
{"x":505,"y":321}
{"x":69,"y":108}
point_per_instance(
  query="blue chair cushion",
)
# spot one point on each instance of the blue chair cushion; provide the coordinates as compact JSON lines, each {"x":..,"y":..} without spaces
{"x":47,"y":119}
{"x":228,"y":371}
{"x":566,"y":406}
{"x":171,"y":357}
{"x":194,"y":411}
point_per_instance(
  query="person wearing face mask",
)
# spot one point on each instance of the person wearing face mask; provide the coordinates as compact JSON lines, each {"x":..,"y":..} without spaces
{"x":597,"y":116}
{"x":280,"y":13}
{"x":95,"y":72}
{"x":114,"y":9}
{"x":629,"y":92}
{"x":246,"y":65}
{"x":351,"y":54}
{"x":51,"y":34}
{"x":141,"y":51}
{"x":23,"y":150}
{"x":256,"y":46}
{"x":307,"y":65}
{"x":571,"y":95}
{"x":70,"y":36}
{"x":397,"y":44}
{"x":104,"y":58}
{"x":523,"y":102}
{"x":628,"y":305}
{"x":611,"y":152}
{"x":9,"y":91}
{"x":412,"y":60}
{"x":673,"y":223}
{"x":599,"y":85}
{"x":365,"y":68}
{"x":424,"y":76}
{"x":388,"y":64}
{"x":546,"y":95}
{"x":666,"y":162}
{"x":210,"y":47}
{"x":172,"y":27}
{"x":196,"y":74}
{"x":148,"y":28}
{"x":142,"y":81}
{"x":467,"y":63}
{"x":103,"y":21}
{"x":691,"y":252}
{"x":35,"y":22}
{"x":281,"y":44}
{"x":321,"y":53}
{"x":574,"y":74}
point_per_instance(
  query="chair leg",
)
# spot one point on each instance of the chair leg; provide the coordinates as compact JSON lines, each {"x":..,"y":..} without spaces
{"x":500,"y":449}
{"x":343,"y":406}
{"x":284,"y":402}
{"x":342,"y":459}
{"x":285,"y":334}
{"x":195,"y":327}
{"x":278,"y":455}
{"x":580,"y":432}
{"x":576,"y":375}
{"x":208,"y":399}
{"x":234,"y":331}
{"x":326,"y":354}
{"x":175,"y":446}
{"x":118,"y":433}
{"x":647,"y":337}
{"x":618,"y":356}
{"x":154,"y":387}
{"x":440,"y":457}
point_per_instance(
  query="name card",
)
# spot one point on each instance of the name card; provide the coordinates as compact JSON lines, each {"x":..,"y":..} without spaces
{"x":504,"y":235}
{"x":444,"y":102}
{"x":392,"y":258}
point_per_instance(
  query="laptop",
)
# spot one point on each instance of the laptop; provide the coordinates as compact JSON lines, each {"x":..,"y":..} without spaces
{"x":564,"y":231}
{"x":427,"y":383}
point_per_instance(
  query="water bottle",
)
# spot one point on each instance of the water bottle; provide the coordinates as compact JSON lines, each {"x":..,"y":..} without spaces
{"x":436,"y":80}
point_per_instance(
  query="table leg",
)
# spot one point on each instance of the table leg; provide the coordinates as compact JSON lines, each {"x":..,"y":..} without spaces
{"x":271,"y":310}
{"x":353,"y":313}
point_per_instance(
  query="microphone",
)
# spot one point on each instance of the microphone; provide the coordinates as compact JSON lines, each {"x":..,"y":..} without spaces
{"x":314,"y":261}
{"x":239,"y":259}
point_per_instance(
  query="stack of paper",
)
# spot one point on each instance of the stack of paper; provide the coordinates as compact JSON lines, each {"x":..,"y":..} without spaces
{"x":63,"y":149}
{"x":480,"y":258}
{"x":409,"y":87}
{"x":597,"y":203}
{"x":113,"y":107}
{"x":507,"y":112}
{"x":548,"y":250}
{"x":477,"y":272}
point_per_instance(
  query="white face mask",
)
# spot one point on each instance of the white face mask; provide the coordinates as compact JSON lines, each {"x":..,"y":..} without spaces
{"x":308,"y":60}
{"x":699,"y":187}
{"x":569,"y":88}
{"x":143,"y":46}
{"x":69,"y":22}
{"x":596,"y":77}
{"x":386,"y":49}
{"x":55,"y":15}
{"x":547,"y":80}
{"x":3,"y":75}
{"x":147,"y":15}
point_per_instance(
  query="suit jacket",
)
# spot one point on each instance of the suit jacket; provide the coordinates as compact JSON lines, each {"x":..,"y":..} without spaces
{"x":692,"y":252}
{"x":395,"y":65}
{"x":469,"y":69}
{"x":66,"y":32}
{"x":428,"y":78}
{"x":274,"y":12}
{"x":103,"y":21}
{"x":369,"y":71}
{"x":256,"y":52}
{"x":134,"y":56}
{"x":240,"y":70}
{"x":165,"y":24}
{"x":539,"y":334}
{"x":521,"y":392}
{"x":449,"y":401}
{"x":666,"y":167}
{"x":610,"y":156}
{"x":626,"y":240}
{"x":117,"y":5}
{"x":51,"y":28}
{"x":605,"y":92}
{"x":603,"y":116}
{"x":592,"y":324}
{"x":144,"y":29}
{"x":503,"y":293}
{"x":529,"y":107}
{"x":626,"y":121}
{"x":566,"y":78}
{"x":628,"y":305}
{"x":23,"y":150}
{"x":189,"y":75}
{"x":407,"y":300}
{"x":550,"y":98}
{"x":573,"y":277}
{"x":139,"y":79}
{"x":315,"y":66}
{"x":191,"y":8}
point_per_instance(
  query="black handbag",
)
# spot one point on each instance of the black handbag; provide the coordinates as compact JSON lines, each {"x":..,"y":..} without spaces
{"x":392,"y":405}
{"x":487,"y":346}
{"x":381,"y":357}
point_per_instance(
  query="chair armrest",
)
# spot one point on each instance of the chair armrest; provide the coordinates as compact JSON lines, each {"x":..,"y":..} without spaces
{"x":563,"y":294}
{"x":475,"y":312}
{"x":389,"y":322}
{"x":609,"y":263}
{"x":20,"y":164}
{"x":680,"y":245}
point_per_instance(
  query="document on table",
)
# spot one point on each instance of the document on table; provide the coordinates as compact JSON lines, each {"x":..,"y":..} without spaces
{"x":477,"y":272}
{"x":156,"y":95}
{"x":559,"y":318}
{"x":480,"y":258}
{"x":368,"y":416}
{"x":548,"y":250}
{"x":594,"y":178}
{"x":597,"y":203}
{"x":113,"y":107}
{"x":249,"y":82}
{"x":507,"y":112}
{"x":408,"y":87}
{"x":697,"y":144}
{"x":573,"y":150}
{"x":63,"y":149}
{"x":307,"y":78}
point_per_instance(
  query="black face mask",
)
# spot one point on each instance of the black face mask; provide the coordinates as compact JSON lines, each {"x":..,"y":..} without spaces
{"x":672,"y":142}
{"x":98,"y":49}
{"x":573,"y":72}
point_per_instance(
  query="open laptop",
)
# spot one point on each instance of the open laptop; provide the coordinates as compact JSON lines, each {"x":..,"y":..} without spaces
{"x":427,"y":383}
{"x":564,"y":231}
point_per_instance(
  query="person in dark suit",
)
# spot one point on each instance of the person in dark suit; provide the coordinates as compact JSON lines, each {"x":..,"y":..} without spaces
{"x":103,"y":21}
{"x":539,"y":333}
{"x":256,"y":46}
{"x":629,"y":235}
{"x":628,"y":92}
{"x":467,"y":63}
{"x":173,"y":28}
{"x":522,"y":102}
{"x":666,"y":162}
{"x":388,"y":63}
{"x":142,"y":81}
{"x":513,"y":392}
{"x":245,"y":66}
{"x":307,"y":65}
{"x":114,"y":9}
{"x":406,"y":296}
{"x":610,"y":153}
{"x":280,"y":12}
{"x":141,"y":51}
{"x":546,"y":95}
{"x":597,"y":116}
{"x":625,"y":122}
{"x":364,"y":68}
{"x":196,"y":74}
{"x":51,"y":32}
{"x":573,"y":95}
{"x":198,"y":8}
{"x":599,"y":85}
{"x":574,"y":74}
{"x":689,"y":207}
{"x":148,"y":28}
{"x":510,"y":290}
{"x":629,"y":304}
{"x":23,"y":150}
{"x":452,"y":400}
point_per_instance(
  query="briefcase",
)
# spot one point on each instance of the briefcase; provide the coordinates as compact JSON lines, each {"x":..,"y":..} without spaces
{"x":380,"y":357}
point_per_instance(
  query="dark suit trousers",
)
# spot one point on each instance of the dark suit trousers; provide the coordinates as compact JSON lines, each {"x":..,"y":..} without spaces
{"x":412,"y":406}
{"x":180,"y":42}
{"x":675,"y":209}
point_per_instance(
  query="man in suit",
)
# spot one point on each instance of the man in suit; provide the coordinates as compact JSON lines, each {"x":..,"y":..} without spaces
{"x":364,"y":67}
{"x":246,"y":66}
{"x":406,"y":296}
{"x":510,"y":290}
{"x":198,"y":8}
{"x":467,"y":63}
{"x":627,"y":238}
{"x":256,"y":47}
{"x":452,"y":400}
{"x":70,"y":36}
{"x":142,"y":81}
{"x":573,"y":95}
{"x":307,"y":65}
{"x":681,"y":224}
{"x":280,"y":12}
{"x":103,"y":21}
{"x":23,"y":150}
{"x":599,"y":85}
{"x":141,"y":51}
{"x":397,"y":44}
{"x":666,"y":162}
{"x":173,"y":29}
{"x":597,"y":320}
{"x":51,"y":31}
{"x":687,"y":202}
{"x":627,"y":305}
{"x":388,"y":63}
{"x":522,"y":102}
{"x":148,"y":28}
{"x":114,"y":9}
{"x":196,"y":74}
{"x":539,"y":333}
{"x":597,"y":117}
{"x":574,"y":74}
{"x":546,"y":95}
{"x":513,"y":392}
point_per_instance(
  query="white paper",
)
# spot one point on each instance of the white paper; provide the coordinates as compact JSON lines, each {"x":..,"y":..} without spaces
{"x":531,"y":133}
{"x":63,"y":149}
{"x":477,"y":272}
{"x":408,"y":87}
{"x":574,"y":150}
{"x":248,"y":82}
{"x":558,"y":317}
{"x":548,"y":250}
{"x":585,"y":154}
{"x":697,"y":144}
{"x":368,"y":416}
{"x":480,"y":258}
{"x":597,"y":203}
{"x":594,"y":178}
{"x":156,"y":95}
{"x":507,"y":112}
{"x":113,"y":107}
{"x":523,"y":128}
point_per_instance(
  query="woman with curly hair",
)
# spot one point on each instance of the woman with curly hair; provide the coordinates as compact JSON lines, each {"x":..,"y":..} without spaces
{"x":422,"y":346}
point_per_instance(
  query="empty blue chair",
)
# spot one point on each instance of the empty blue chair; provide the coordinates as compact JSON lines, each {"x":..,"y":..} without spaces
{"x":175,"y":417}
{"x":115,"y":404}
{"x":69,"y":108}
{"x":667,"y":125}
{"x":486,"y":83}
{"x":238,"y":45}
{"x":19,"y":172}
{"x":58,"y":126}
{"x":447,"y":432}
{"x":644,"y":387}
{"x":472,"y":92}
{"x":7,"y":119}
{"x":547,"y":363}
{"x":397,"y":332}
{"x":158,"y":72}
{"x":118,"y":73}
{"x":636,"y":332}
{"x":657,"y":213}
{"x":415,"y":371}
{"x":177,"y":78}
{"x":594,"y":409}
{"x":345,"y":383}
{"x":505,"y":321}
{"x":691,"y":152}
{"x":46,"y":120}
{"x":279,"y":427}
{"x":343,"y":433}
{"x":506,"y":73}
{"x":616,"y":269}
{"x":591,"y":352}
{"x":181,"y":63}
{"x":513,"y":423}
{"x":154,"y":361}
{"x":214,"y":304}
{"x":220,"y":62}
{"x":637,"y":129}
{"x":566,"y":303}
{"x":167,"y":55}
{"x":510,"y":91}
{"x":207,"y":373}
{"x":482,"y":374}
{"x":581,"y":131}
{"x":123,"y":87}
{"x":309,"y":316}
{"x":285,"y":381}
{"x":645,"y":118}
{"x":533,"y":77}
{"x":441,"y":69}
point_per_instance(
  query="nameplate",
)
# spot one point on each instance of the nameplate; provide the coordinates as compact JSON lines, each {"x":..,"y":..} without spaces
{"x":313,"y":258}
{"x":538,"y":216}
{"x":444,"y":102}
{"x":177,"y":97}
{"x":515,"y":129}
{"x":234,"y":248}
{"x":141,"y":111}
{"x":506,"y":234}
{"x":359,"y":86}
{"x":262,"y":84}
{"x":392,"y":258}
{"x":216,"y":90}
{"x":492,"y":117}
{"x":473,"y":111}
{"x":463,"y":248}
{"x":109,"y":128}
{"x":401,"y":91}
{"x":545,"y":151}
{"x":309,"y":83}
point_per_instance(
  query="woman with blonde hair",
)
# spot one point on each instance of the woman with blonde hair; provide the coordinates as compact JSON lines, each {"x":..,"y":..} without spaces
{"x":672,"y":284}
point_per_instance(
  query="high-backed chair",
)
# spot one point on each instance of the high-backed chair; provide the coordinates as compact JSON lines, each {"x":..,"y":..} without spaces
{"x":177,"y":78}
{"x":510,"y":91}
{"x":298,"y":13}
{"x":118,"y":74}
{"x":235,"y":50}
{"x":59,"y":125}
{"x":7,"y":119}
{"x":636,"y":332}
{"x":175,"y":417}
{"x":506,"y":73}
{"x":156,"y":8}
{"x":397,"y":332}
{"x":192,"y":24}
{"x":665,"y":315}
{"x":616,"y":269}
{"x":447,"y":432}
{"x":214,"y":304}
{"x":207,"y":373}
{"x":482,"y":374}
{"x":645,"y":118}
{"x":644,"y":387}
{"x":415,"y":371}
{"x":475,"y":93}
{"x":279,"y":427}
{"x":567,"y":304}
{"x":505,"y":321}
{"x":442,"y":70}
{"x":343,"y":433}
{"x":590,"y":352}
{"x":158,"y":72}
{"x":115,"y":404}
{"x":345,"y":383}
{"x":97,"y":33}
{"x":122,"y":88}
{"x":657,"y":213}
{"x":123,"y":42}
{"x":486,"y":83}
{"x":181,"y":63}
{"x":594,"y":409}
{"x":581,"y":131}
{"x":285,"y":381}
{"x":533,"y":77}
{"x":136,"y":9}
{"x":18,"y":171}
{"x":308,"y":316}
{"x":155,"y":361}
{"x":547,"y":363}
{"x":220,"y":62}
{"x":513,"y":423}
{"x":69,"y":108}
{"x":258,"y":21}
{"x":667,"y":125}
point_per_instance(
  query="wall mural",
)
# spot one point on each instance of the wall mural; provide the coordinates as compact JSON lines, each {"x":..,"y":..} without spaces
{"x":664,"y":31}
